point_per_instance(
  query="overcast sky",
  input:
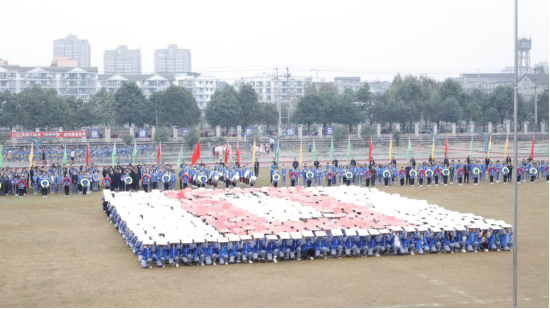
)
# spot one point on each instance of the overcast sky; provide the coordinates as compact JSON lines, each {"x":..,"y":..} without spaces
{"x":232,"y":39}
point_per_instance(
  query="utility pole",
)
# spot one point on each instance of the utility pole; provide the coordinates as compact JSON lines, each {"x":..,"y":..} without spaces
{"x":278,"y":100}
{"x":536,"y":96}
{"x":288,"y":96}
{"x":515,"y":162}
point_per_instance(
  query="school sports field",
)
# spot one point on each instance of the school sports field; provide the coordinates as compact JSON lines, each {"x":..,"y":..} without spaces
{"x":62,"y":252}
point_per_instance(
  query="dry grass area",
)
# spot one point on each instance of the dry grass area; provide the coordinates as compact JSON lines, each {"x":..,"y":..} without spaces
{"x":60,"y":252}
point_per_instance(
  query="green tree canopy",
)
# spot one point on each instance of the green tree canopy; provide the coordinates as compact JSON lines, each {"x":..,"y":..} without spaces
{"x":105,"y":103}
{"x":175,"y":106}
{"x":223,"y":108}
{"x":309,"y":110}
{"x":542,"y":106}
{"x":131,"y":105}
{"x":248,"y":106}
{"x":9,"y":110}
{"x":268,"y":115}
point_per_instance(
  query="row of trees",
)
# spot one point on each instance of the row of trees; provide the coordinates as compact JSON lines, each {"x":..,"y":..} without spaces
{"x":418,"y":99}
{"x":409,"y":99}
{"x":413,"y":99}
{"x":229,"y":108}
{"x":38,"y":108}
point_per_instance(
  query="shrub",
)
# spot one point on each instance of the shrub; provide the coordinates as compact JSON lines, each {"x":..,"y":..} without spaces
{"x":162,"y":134}
{"x":128,"y":139}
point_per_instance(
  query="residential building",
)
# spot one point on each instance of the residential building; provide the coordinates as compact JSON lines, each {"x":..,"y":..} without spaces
{"x":378,"y":87}
{"x":172,"y":60}
{"x":343,"y":83}
{"x":530,"y":85}
{"x":67,"y":81}
{"x":269,"y":89}
{"x":73,"y":48}
{"x":122,"y":61}
{"x":65,"y":62}
{"x":487,"y":82}
{"x":202,"y":87}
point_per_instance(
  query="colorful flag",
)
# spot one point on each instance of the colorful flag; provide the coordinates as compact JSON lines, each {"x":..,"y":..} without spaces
{"x":349,"y":150}
{"x":331,"y":150}
{"x":134,"y":153}
{"x":277,"y":152}
{"x":409,"y":151}
{"x":506,"y":147}
{"x":159,"y":151}
{"x":313,"y":152}
{"x":31,"y":155}
{"x":180,"y":157}
{"x":87,"y":155}
{"x":113,"y":155}
{"x":471,"y":146}
{"x":196,"y":153}
{"x":532,"y":156}
{"x":391,"y":146}
{"x":64,"y":157}
{"x":1,"y":154}
{"x":370,"y":150}
{"x":254,"y":152}
{"x":445,"y":147}
{"x":238,"y":154}
{"x":226,"y":154}
{"x":300,"y":161}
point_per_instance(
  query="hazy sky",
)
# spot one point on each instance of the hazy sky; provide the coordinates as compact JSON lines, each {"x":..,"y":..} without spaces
{"x":232,"y":39}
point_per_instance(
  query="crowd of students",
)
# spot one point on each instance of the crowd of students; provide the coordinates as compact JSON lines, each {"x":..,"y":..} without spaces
{"x":49,"y":180}
{"x":75,"y":154}
{"x":85,"y":179}
{"x":308,"y":246}
{"x":429,"y":173}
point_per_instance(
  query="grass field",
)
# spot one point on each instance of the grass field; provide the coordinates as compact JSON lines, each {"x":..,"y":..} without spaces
{"x":60,"y":252}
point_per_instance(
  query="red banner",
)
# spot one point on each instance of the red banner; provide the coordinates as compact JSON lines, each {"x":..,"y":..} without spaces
{"x":64,"y":134}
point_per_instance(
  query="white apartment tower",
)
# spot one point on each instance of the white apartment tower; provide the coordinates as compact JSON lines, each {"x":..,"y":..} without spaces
{"x":122,"y":61}
{"x":73,"y":48}
{"x":172,"y":60}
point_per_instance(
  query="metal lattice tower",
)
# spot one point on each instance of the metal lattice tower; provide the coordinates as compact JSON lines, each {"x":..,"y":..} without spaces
{"x":524,"y":56}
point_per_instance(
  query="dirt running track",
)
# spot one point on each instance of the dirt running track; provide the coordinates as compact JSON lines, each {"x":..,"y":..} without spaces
{"x":60,"y":252}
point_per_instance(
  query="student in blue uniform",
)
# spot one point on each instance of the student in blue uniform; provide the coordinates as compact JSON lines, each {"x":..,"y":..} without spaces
{"x":186,"y":253}
{"x":471,"y":241}
{"x":321,"y":246}
{"x":146,"y":256}
{"x":335,"y":246}
{"x":235,"y":252}
{"x":246,"y":251}
{"x":174,"y":253}
{"x":271,"y":250}
{"x":222,"y":252}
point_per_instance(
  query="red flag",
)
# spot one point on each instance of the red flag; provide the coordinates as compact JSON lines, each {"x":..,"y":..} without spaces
{"x":532,"y":149}
{"x":238,"y":154}
{"x":158,"y":153}
{"x":196,"y":153}
{"x":445,"y":146}
{"x":370,"y":149}
{"x":226,"y":153}
{"x":87,"y":154}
